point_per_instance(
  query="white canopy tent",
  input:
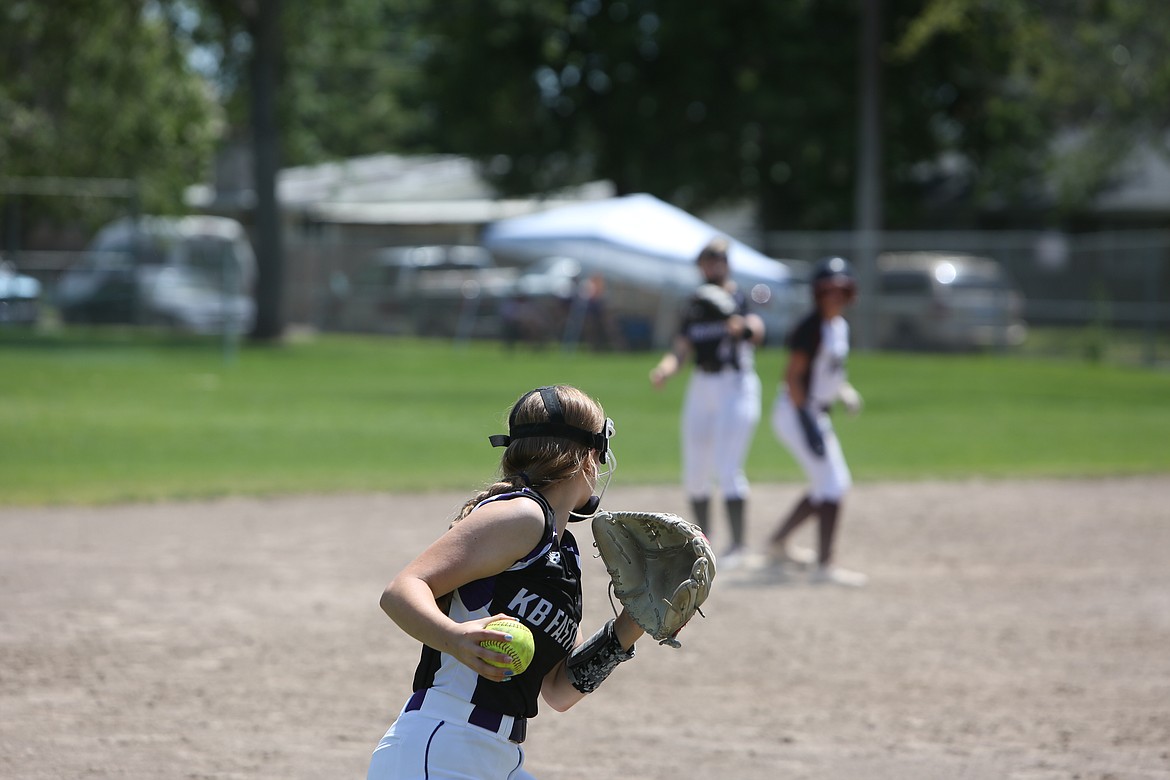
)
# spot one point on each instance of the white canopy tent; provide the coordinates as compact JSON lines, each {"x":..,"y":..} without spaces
{"x":642,"y":242}
{"x":641,"y":224}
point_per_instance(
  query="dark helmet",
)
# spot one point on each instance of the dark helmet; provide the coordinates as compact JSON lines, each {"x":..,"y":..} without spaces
{"x":833,"y":272}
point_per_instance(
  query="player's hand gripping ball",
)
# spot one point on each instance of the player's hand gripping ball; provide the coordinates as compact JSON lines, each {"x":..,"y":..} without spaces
{"x":521,"y":647}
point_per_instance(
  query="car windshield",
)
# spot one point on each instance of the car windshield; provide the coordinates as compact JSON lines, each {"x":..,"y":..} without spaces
{"x":213,"y":261}
{"x":904,"y":282}
{"x":978,"y":282}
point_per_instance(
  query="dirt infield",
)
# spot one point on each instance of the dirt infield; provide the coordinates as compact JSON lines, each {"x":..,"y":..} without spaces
{"x":1009,"y":630}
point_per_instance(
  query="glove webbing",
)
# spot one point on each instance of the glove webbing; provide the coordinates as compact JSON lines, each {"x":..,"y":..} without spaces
{"x":691,"y":585}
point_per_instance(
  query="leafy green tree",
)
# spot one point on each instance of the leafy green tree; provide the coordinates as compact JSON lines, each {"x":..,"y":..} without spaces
{"x":345,"y":72}
{"x":351,"y":86}
{"x":99,"y":88}
{"x":249,"y":35}
{"x":1084,"y":79}
{"x":696,"y":103}
{"x":301,"y":82}
{"x":742,"y":99}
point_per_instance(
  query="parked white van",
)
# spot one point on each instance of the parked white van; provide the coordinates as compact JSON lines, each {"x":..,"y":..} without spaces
{"x":194,"y":274}
{"x":941,"y":300}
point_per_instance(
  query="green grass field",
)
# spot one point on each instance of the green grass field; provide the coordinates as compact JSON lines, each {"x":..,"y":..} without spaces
{"x":106,"y":416}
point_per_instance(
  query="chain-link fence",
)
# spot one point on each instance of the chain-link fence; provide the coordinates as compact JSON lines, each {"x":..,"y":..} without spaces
{"x":1097,"y":296}
{"x":1100,"y":295}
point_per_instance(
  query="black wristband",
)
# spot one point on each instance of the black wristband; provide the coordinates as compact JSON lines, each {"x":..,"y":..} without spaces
{"x":595,"y":659}
{"x":747,"y":332}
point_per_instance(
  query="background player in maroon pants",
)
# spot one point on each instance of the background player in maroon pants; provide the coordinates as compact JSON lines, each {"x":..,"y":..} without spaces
{"x":815,"y":379}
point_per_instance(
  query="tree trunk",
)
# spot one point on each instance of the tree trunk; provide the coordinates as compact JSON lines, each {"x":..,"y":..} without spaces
{"x":265,"y":30}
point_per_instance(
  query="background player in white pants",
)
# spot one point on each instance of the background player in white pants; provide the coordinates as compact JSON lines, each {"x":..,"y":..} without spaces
{"x":721,"y":408}
{"x":814,"y":379}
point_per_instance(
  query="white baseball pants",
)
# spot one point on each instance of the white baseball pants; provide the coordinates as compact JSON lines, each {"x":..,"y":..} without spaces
{"x":720,"y":414}
{"x":828,"y":476}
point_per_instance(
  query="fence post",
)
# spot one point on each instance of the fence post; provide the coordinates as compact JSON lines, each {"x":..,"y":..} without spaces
{"x":1150,"y":321}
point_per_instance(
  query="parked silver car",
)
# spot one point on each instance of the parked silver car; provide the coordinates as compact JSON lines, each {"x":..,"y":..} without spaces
{"x":941,"y":300}
{"x":432,"y":290}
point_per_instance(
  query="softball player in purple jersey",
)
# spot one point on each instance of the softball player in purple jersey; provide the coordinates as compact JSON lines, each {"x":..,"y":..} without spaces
{"x":721,"y":407}
{"x":814,"y":380}
{"x":509,"y":553}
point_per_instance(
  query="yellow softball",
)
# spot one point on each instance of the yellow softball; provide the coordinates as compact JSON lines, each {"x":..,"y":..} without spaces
{"x":521,"y":647}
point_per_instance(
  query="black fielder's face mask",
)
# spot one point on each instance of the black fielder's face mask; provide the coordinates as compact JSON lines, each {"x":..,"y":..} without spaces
{"x":557,"y":427}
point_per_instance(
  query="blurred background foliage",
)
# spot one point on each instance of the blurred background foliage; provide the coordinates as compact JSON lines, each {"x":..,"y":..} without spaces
{"x":102,"y":89}
{"x":983,"y":101}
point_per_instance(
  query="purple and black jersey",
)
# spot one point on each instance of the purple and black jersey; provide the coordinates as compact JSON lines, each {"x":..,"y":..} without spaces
{"x":543,"y":591}
{"x":714,"y":348}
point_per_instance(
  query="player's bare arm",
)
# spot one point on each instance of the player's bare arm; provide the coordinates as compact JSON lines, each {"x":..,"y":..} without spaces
{"x":758,"y":330}
{"x":484,"y":543}
{"x":671,"y":362}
